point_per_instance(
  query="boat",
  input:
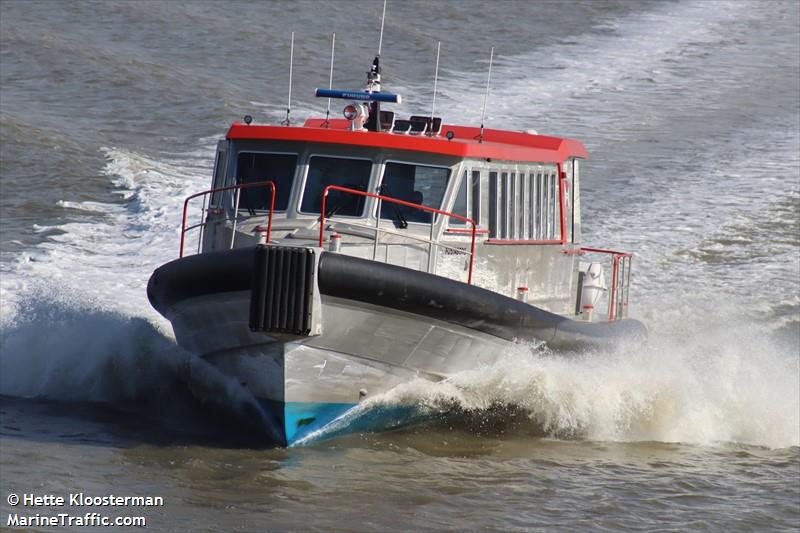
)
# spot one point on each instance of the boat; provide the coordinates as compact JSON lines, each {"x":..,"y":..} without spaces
{"x":341,"y":257}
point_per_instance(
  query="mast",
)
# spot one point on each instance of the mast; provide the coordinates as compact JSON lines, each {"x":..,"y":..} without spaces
{"x":374,"y":82}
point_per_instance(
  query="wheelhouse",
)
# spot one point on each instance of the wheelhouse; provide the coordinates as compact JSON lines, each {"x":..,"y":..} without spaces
{"x":510,"y":200}
{"x":507,"y":201}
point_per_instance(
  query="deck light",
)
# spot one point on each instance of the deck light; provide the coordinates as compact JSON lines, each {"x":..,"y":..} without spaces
{"x":350,"y":112}
{"x":248,"y":119}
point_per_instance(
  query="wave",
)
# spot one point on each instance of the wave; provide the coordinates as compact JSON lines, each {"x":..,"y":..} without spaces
{"x":63,"y":350}
{"x":559,"y":79}
{"x":698,"y":380}
{"x":110,"y":253}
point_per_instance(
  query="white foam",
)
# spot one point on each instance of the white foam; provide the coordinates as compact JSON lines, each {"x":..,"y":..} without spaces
{"x":609,"y":59}
{"x":109,"y":256}
{"x":699,"y":385}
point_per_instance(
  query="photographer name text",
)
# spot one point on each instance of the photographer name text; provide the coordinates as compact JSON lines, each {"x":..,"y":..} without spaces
{"x":80,"y":499}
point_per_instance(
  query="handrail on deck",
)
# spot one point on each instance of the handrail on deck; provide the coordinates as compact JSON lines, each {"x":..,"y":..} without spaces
{"x":236,"y":187}
{"x":399,"y":202}
{"x":616,"y":299}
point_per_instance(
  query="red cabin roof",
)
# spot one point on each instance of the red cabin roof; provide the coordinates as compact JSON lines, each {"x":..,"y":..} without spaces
{"x":497,"y":144}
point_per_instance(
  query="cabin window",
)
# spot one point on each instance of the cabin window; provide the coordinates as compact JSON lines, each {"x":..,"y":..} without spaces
{"x":552,"y":206}
{"x":258,"y":166}
{"x":546,"y":206}
{"x":520,"y":199}
{"x":494,"y":211}
{"x":417,"y":184}
{"x":219,"y":177}
{"x":324,"y":171}
{"x":476,"y":196}
{"x":468,"y":199}
{"x":512,"y":206}
{"x":537,"y":206}
{"x":460,"y":205}
{"x":576,"y":201}
{"x":504,"y":205}
{"x":525,"y":215}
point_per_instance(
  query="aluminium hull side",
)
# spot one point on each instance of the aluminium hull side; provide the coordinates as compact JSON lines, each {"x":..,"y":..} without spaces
{"x":301,"y":389}
{"x":374,"y":326}
{"x":304,"y":383}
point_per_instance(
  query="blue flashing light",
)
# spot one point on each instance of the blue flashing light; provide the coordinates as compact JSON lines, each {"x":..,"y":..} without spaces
{"x":358,"y":95}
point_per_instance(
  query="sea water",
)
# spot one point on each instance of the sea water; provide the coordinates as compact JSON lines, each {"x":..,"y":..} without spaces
{"x":109,"y":114}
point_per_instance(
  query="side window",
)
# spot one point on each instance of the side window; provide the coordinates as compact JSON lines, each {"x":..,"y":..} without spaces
{"x":548,"y":205}
{"x":476,"y":196}
{"x":504,"y":205}
{"x":541,"y":198}
{"x":521,"y":205}
{"x":460,"y":205}
{"x":494,"y":200}
{"x":553,"y":205}
{"x":218,"y":181}
{"x":512,"y":206}
{"x":533,"y":210}
{"x":468,"y":198}
{"x":253,"y":167}
{"x":576,"y":202}
{"x":417,"y":184}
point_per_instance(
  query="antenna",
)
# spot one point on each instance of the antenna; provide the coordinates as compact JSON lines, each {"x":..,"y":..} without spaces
{"x":330,"y":80}
{"x":435,"y":79}
{"x":291,"y":62}
{"x":486,"y":95}
{"x":383,"y":19}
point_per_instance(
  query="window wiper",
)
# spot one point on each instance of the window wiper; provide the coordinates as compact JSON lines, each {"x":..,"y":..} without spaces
{"x":338,"y":197}
{"x":244,"y":199}
{"x":400,"y":221}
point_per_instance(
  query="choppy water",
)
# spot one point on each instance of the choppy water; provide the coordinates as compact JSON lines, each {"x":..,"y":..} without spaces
{"x":690,"y":110}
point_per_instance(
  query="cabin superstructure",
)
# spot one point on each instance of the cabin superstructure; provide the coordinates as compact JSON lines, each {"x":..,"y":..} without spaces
{"x":522,"y":190}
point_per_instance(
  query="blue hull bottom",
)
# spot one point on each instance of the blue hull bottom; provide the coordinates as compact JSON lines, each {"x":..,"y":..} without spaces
{"x":299,"y":419}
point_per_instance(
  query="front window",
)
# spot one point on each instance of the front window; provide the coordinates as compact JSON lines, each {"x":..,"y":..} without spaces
{"x":324,"y":171}
{"x":254,"y":167}
{"x":416,"y":184}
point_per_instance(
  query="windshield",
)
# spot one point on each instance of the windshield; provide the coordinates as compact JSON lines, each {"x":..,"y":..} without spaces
{"x":417,"y":184}
{"x":324,"y":171}
{"x":254,"y":167}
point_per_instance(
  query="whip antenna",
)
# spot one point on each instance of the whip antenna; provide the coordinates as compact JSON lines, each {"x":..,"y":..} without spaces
{"x":486,"y":95}
{"x":435,"y":79}
{"x":330,"y":80}
{"x":383,"y":19}
{"x":291,"y":62}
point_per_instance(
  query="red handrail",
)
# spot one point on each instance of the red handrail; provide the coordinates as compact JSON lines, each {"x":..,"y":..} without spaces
{"x":562,"y":193}
{"x":615,"y":259}
{"x":400,"y":202}
{"x":605,"y":251}
{"x":228,"y":188}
